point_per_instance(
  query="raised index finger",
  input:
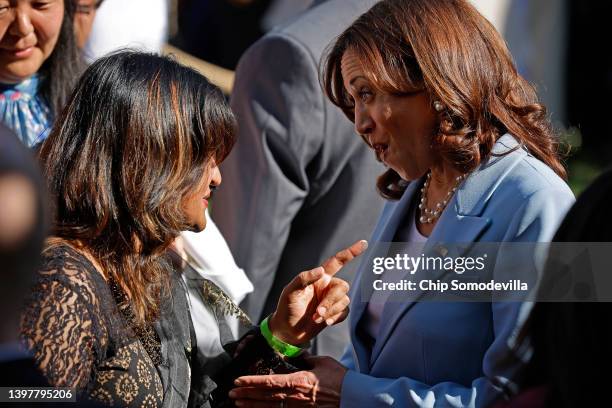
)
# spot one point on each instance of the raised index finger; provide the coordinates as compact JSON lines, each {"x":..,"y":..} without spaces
{"x":335,"y":263}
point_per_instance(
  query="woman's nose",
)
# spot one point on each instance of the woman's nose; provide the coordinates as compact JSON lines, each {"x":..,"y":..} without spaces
{"x":22,"y":24}
{"x":216,"y":178}
{"x":363,"y":122}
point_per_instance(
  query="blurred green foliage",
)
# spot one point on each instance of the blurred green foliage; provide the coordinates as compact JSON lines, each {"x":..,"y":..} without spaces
{"x":583,"y":165}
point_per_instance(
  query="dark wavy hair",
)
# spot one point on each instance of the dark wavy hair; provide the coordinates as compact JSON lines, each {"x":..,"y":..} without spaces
{"x":134,"y":139}
{"x":62,"y":69}
{"x":450,"y":50}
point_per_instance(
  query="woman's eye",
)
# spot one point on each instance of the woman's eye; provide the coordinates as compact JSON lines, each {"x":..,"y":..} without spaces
{"x":39,"y":5}
{"x":365,"y":94}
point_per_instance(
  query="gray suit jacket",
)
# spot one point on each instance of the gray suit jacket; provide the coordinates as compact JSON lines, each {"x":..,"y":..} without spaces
{"x":300,"y":184}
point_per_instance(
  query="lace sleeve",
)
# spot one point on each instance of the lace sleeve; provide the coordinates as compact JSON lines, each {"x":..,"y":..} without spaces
{"x":251,"y":355}
{"x":59,"y":327}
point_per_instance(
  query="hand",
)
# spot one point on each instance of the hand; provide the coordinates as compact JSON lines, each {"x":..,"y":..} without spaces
{"x":321,"y":387}
{"x":314,"y":299}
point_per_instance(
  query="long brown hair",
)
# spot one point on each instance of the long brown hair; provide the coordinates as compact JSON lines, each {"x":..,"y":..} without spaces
{"x":61,"y":70}
{"x":450,"y":50}
{"x":133,"y":141}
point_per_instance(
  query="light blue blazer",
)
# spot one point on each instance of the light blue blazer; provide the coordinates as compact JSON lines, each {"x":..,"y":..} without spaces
{"x":434,"y":354}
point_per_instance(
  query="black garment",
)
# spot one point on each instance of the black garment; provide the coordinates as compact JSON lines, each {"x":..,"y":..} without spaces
{"x":80,"y":339}
{"x":21,"y":373}
{"x":569,"y":340}
{"x":589,"y":75}
{"x":24,"y":373}
{"x":588,"y":220}
{"x":218,"y":31}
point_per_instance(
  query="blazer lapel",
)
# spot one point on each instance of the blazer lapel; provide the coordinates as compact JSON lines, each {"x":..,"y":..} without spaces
{"x":362,"y":290}
{"x":461,"y":223}
{"x":452,"y":228}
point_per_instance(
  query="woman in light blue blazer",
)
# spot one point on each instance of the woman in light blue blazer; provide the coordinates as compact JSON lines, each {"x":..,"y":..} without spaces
{"x":471,"y":157}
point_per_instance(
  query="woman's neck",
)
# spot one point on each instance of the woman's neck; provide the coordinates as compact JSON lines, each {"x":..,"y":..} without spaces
{"x":443,"y":177}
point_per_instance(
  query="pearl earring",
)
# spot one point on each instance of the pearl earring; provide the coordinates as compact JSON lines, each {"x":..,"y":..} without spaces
{"x":438,"y":106}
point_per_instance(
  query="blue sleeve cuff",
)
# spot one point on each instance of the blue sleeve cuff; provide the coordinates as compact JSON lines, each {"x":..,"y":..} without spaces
{"x":359,"y":390}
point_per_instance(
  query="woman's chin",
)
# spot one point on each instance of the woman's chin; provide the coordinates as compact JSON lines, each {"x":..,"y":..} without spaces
{"x":198,"y":226}
{"x":408,"y":175}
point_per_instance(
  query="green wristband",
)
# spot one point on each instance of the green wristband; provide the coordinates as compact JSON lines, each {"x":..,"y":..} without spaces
{"x":286,"y":349}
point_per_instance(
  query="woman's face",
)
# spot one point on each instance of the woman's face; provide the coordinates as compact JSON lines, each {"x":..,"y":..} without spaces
{"x":29,"y":30}
{"x":83,"y":20}
{"x":195,"y":204}
{"x":398,"y":128}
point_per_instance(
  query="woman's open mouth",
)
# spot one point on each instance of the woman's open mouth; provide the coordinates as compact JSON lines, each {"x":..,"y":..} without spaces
{"x":381,"y":150}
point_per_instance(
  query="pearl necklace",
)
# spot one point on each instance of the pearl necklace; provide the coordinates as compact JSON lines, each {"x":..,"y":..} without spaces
{"x":429,"y":216}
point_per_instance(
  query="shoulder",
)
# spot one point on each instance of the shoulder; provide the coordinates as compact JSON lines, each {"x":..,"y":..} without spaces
{"x":65,"y":267}
{"x":530,"y":175}
{"x":523,"y":197}
{"x":522,"y":176}
{"x":63,"y":323}
{"x":511,"y":175}
{"x":313,"y":30}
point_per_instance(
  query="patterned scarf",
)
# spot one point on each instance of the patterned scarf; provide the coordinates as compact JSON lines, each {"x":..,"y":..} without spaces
{"x":24,"y":111}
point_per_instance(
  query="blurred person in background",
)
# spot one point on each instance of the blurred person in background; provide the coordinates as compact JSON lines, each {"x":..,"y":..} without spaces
{"x":23,"y":227}
{"x":471,"y":158}
{"x":295,"y":181}
{"x":139,"y":24}
{"x":219,"y":31}
{"x":84,"y":16}
{"x":536,"y":34}
{"x":131,"y":163}
{"x":22,"y":231}
{"x":39,"y":64}
{"x":568,"y":342}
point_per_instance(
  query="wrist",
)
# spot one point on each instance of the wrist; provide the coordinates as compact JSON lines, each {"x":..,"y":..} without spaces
{"x":280,"y":346}
{"x":275,"y":328}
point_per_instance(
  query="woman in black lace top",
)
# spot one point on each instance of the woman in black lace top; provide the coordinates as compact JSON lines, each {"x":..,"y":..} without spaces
{"x":130,"y":163}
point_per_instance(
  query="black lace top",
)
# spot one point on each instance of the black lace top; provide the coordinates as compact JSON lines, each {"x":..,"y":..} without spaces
{"x":80,"y":339}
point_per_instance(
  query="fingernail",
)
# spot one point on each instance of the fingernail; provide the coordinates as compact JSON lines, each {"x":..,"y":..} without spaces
{"x":238,"y":403}
{"x":329,"y":322}
{"x":364,"y":244}
{"x":232,"y":394}
{"x":318,"y":320}
{"x":237,"y":382}
{"x":321,"y":310}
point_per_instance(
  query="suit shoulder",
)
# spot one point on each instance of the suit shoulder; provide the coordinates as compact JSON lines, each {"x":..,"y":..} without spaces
{"x":531,"y":175}
{"x":316,"y":28}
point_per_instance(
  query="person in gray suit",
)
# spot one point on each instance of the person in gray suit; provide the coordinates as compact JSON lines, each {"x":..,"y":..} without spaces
{"x":297,"y":183}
